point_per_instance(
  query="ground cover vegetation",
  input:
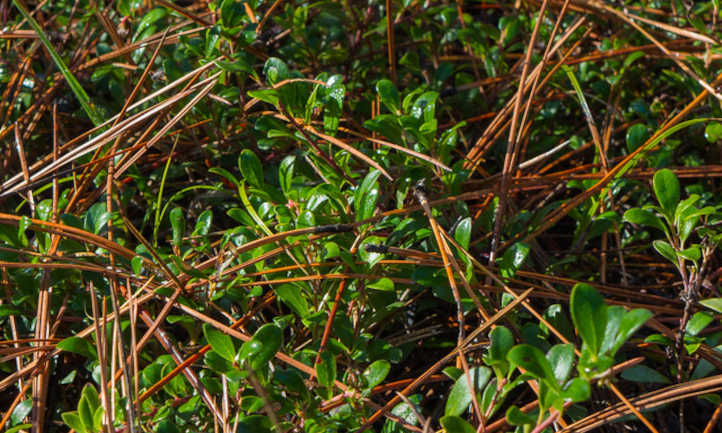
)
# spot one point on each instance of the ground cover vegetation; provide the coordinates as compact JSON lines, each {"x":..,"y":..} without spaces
{"x":348,"y":216}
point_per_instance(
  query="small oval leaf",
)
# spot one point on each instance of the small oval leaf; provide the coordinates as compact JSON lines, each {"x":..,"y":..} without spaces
{"x":251,"y":168}
{"x":666,"y":188}
{"x":219,"y":342}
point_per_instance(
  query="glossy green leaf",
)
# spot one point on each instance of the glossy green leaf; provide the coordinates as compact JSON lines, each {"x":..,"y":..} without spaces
{"x":502,"y":340}
{"x":577,"y":390}
{"x":376,"y":373}
{"x":219,"y":342}
{"x":367,"y":206}
{"x":698,"y":322}
{"x":561,"y":358}
{"x":166,"y":426}
{"x":589,"y":314}
{"x":72,"y":420}
{"x":98,"y":416}
{"x":254,"y":424}
{"x":266,"y":95}
{"x":366,"y":195}
{"x":713,"y":132}
{"x":217,"y":363}
{"x":666,"y":188}
{"x":463,"y":232}
{"x":285,"y":173}
{"x":643,"y":374}
{"x":263,"y":346}
{"x":96,"y":218}
{"x":326,"y":369}
{"x":275,"y":70}
{"x":251,"y":168}
{"x":203,"y":225}
{"x":20,"y":427}
{"x":178,"y":224}
{"x":461,"y":393}
{"x":292,"y":296}
{"x":533,"y":361}
{"x":389,"y":95}
{"x":512,"y":259}
{"x":630,"y":323}
{"x":78,"y":345}
{"x":713,"y":304}
{"x":515,"y":416}
{"x":666,"y":250}
{"x":636,"y":136}
{"x":644,"y":218}
{"x":91,"y":395}
{"x":85,"y":412}
{"x":693,"y":253}
{"x":455,"y":424}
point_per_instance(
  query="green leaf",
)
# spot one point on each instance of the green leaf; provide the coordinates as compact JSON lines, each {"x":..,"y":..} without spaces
{"x":251,"y":168}
{"x":515,"y":416}
{"x":644,"y":218}
{"x":666,"y":250}
{"x":231,"y":13}
{"x":577,"y":390}
{"x":275,"y":70}
{"x":86,"y":414}
{"x":17,"y":428}
{"x":533,"y":361}
{"x":666,"y":188}
{"x":384,"y":284}
{"x":713,"y":132}
{"x":454,"y":424}
{"x":219,"y":342}
{"x":285,"y":173}
{"x":376,"y":373}
{"x":98,"y":416}
{"x":589,"y":314}
{"x":166,"y":426}
{"x":96,"y":218}
{"x":713,"y":304}
{"x":367,"y":206}
{"x":178,"y":223}
{"x":263,"y":346}
{"x":630,"y":323}
{"x":366,"y":195}
{"x":692,"y":253}
{"x":203,"y":225}
{"x":644,"y":374}
{"x":561,"y":358}
{"x":292,"y":296}
{"x":254,"y":424}
{"x":636,"y":136}
{"x":698,"y":322}
{"x":512,"y":259}
{"x":217,"y":363}
{"x":326,"y":369}
{"x":502,"y":340}
{"x":91,"y":395}
{"x":78,"y":345}
{"x":23,"y":225}
{"x":425,"y":106}
{"x":463,"y":232}
{"x":461,"y":393}
{"x":72,"y":420}
{"x":266,"y":95}
{"x":389,"y":95}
